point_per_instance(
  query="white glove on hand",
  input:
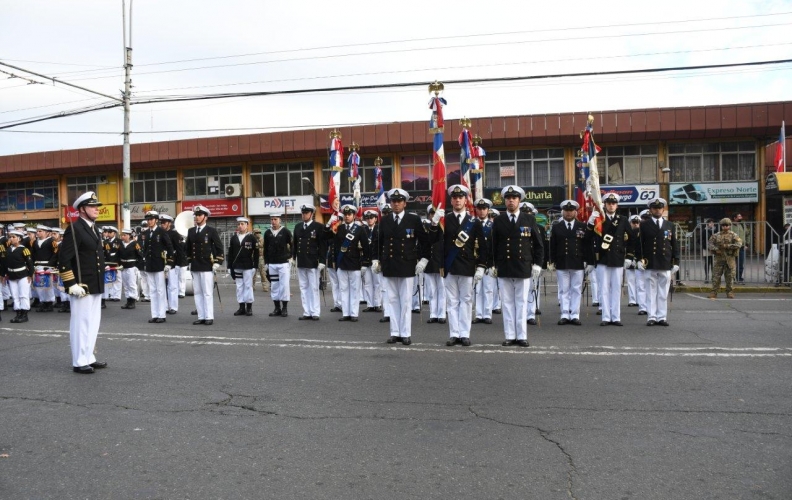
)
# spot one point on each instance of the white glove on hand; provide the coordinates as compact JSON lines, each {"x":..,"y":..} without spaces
{"x":375,"y":267}
{"x":363,"y":269}
{"x":291,"y":262}
{"x":333,"y":220}
{"x":641,"y":266}
{"x":266,"y":268}
{"x":674,"y":269}
{"x":215,"y":267}
{"x":594,"y":216}
{"x":438,"y":216}
{"x":478,"y":276}
{"x":166,"y":270}
{"x":589,"y":268}
{"x":551,"y":267}
{"x":628,"y":263}
{"x":419,"y":268}
{"x":321,"y":267}
{"x":493,"y":271}
{"x":77,"y":291}
{"x":535,"y":272}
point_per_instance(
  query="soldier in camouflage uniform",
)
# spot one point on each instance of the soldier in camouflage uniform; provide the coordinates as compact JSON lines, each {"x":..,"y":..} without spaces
{"x":725,"y":246}
{"x":265,"y":286}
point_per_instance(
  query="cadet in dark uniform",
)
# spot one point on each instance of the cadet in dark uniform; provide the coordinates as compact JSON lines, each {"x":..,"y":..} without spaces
{"x":464,"y":261}
{"x":349,"y":249}
{"x":81,"y":262}
{"x":44,"y":252}
{"x":173,"y":277}
{"x":277,"y":257}
{"x":517,"y":251}
{"x":309,"y":251}
{"x":204,"y":254}
{"x":485,"y":290}
{"x":111,"y":246}
{"x":372,"y":286}
{"x":613,"y":252}
{"x":3,"y":283}
{"x":433,"y":285}
{"x":567,"y":255}
{"x":19,"y":269}
{"x":658,"y":254}
{"x":402,"y":237}
{"x":129,"y":255}
{"x":157,"y":261}
{"x":243,"y":257}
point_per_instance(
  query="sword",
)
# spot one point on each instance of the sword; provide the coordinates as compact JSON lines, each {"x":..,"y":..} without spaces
{"x":219,"y":299}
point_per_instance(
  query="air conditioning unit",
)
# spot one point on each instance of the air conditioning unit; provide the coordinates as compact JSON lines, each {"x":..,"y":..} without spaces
{"x":233,"y":190}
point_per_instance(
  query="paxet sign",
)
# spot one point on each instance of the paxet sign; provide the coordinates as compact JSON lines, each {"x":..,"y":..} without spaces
{"x":285,"y":204}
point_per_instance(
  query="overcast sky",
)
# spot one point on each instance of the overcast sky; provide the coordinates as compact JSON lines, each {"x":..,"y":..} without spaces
{"x":245,"y":46}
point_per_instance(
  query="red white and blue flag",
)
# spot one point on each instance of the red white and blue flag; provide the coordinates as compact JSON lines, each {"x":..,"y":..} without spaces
{"x":336,"y":163}
{"x":780,"y":153}
{"x":380,"y":186}
{"x":465,"y":163}
{"x":439,"y":168}
{"x":477,"y":154}
{"x":588,"y":158}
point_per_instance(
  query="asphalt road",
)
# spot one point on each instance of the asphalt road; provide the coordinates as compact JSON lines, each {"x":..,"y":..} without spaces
{"x":259,"y":407}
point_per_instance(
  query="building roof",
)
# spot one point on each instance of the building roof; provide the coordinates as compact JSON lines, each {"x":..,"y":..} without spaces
{"x":560,"y":129}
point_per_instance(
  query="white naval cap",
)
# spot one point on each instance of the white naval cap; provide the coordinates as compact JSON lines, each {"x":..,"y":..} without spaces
{"x":349,"y":209}
{"x":657,"y":203}
{"x":152,"y":214}
{"x":88,"y":198}
{"x":397,"y":194}
{"x":494,"y":212}
{"x":512,"y":190}
{"x":17,"y":233}
{"x":42,"y":227}
{"x":483,"y":203}
{"x":243,"y":219}
{"x":370,"y":213}
{"x":126,"y":231}
{"x":200,"y":209}
{"x":458,"y":190}
{"x":635,"y":218}
{"x":111,"y":229}
{"x":307,"y":208}
{"x":165,"y":218}
{"x":610,"y":196}
{"x":569,"y":205}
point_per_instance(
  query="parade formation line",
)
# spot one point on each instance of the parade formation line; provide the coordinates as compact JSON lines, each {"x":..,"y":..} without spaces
{"x":719,"y":352}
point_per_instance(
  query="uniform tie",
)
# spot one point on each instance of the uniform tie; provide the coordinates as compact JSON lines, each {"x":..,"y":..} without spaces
{"x":396,"y":218}
{"x":461,"y":216}
{"x":514,"y":219}
{"x":569,"y":225}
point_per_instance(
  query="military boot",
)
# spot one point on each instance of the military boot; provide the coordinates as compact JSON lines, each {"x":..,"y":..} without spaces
{"x":15,"y":319}
{"x":730,"y":295}
{"x":277,"y":311}
{"x":241,"y":310}
{"x":284,"y":311}
{"x":130,"y":304}
{"x":248,"y":309}
{"x":713,"y":295}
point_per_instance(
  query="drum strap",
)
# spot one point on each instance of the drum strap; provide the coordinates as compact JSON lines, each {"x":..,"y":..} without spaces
{"x":18,"y":270}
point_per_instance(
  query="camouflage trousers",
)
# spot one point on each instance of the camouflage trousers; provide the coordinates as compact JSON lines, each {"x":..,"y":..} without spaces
{"x":727,"y":267}
{"x":265,"y":285}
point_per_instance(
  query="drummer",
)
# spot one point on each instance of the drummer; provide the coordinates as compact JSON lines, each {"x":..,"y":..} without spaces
{"x":44,"y":252}
{"x":19,"y":265}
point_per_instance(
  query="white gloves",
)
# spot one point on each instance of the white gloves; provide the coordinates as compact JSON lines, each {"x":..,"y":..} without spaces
{"x":628,"y":263}
{"x":321,"y":267}
{"x":493,"y":271}
{"x":589,"y":268}
{"x":438,"y":216}
{"x":551,"y":267}
{"x":674,"y":269}
{"x":478,"y":276}
{"x":266,"y":268}
{"x":363,"y":269}
{"x":594,"y":216}
{"x":215,"y":267}
{"x":166,"y":270}
{"x":333,"y":220}
{"x":419,"y":268}
{"x":535,"y":272}
{"x":77,"y":291}
{"x":291,"y":262}
{"x":375,"y":267}
{"x":641,"y":266}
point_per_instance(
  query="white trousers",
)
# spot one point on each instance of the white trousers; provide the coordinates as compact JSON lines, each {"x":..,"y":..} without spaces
{"x":459,"y":304}
{"x":372,"y":288}
{"x":129,"y":277}
{"x":244,"y":286}
{"x":418,"y":291}
{"x":86,"y":314}
{"x":632,"y":292}
{"x":657,"y":294}
{"x":398,"y":295}
{"x":335,"y":287}
{"x":203,"y":290}
{"x":349,"y":289}
{"x":159,"y":302}
{"x":386,"y":312}
{"x":514,"y":294}
{"x":533,"y":300}
{"x":610,"y":282}
{"x":173,"y":287}
{"x":182,"y":281}
{"x":113,"y":289}
{"x":640,"y":289}
{"x":436,"y":293}
{"x":6,"y":290}
{"x":20,"y":292}
{"x":570,"y":286}
{"x":280,"y":274}
{"x":595,"y":289}
{"x":144,"y":288}
{"x":485,"y":295}
{"x":309,"y":290}
{"x":496,"y":296}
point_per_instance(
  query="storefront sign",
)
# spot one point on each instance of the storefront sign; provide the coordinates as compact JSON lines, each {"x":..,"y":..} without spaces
{"x":107,"y":213}
{"x":230,"y":207}
{"x":138,"y":210}
{"x":418,"y":201}
{"x":634,"y":195}
{"x":283,"y":205}
{"x":713,"y":193}
{"x":778,"y":183}
{"x":508,"y":171}
{"x":540,"y":196}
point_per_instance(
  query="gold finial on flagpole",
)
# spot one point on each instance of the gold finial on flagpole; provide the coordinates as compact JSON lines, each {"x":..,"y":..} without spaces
{"x":465,"y":122}
{"x":476,"y":140}
{"x":354,"y":146}
{"x":378,"y":162}
{"x":335,"y":134}
{"x":436,"y":87}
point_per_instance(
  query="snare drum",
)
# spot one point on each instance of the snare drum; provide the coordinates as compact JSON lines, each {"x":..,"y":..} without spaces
{"x":110,"y":276}
{"x":41,"y":279}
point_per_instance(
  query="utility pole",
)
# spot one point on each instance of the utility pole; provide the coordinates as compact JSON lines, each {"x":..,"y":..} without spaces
{"x":126,"y":170}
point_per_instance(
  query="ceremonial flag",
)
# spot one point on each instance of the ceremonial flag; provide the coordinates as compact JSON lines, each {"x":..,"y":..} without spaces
{"x":465,"y":161}
{"x":354,"y":175}
{"x":588,"y":158}
{"x":436,"y":104}
{"x":380,"y":186}
{"x":336,"y":163}
{"x":780,"y":153}
{"x":477,"y":154}
{"x":581,"y":175}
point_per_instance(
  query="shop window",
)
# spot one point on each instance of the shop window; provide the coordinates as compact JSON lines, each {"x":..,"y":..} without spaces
{"x":210,"y":182}
{"x":532,"y":167}
{"x":635,"y":164}
{"x":76,"y":186}
{"x":416,"y":171}
{"x":728,"y":161}
{"x":368,"y":182}
{"x":151,"y":187}
{"x":281,"y":179}
{"x":18,"y":196}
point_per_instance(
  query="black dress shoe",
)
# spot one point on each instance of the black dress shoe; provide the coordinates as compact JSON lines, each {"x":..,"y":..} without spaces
{"x":385,"y":319}
{"x":523,"y":343}
{"x":599,"y":313}
{"x":369,"y":309}
{"x":392,"y":340}
{"x":153,"y":320}
{"x":170,"y":311}
{"x":353,"y":319}
{"x":651,"y":322}
{"x":563,"y":321}
{"x":315,"y":318}
{"x":509,"y":342}
{"x":343,"y":318}
{"x":595,"y":304}
{"x":335,"y":310}
{"x":616,"y":323}
{"x":304,"y":317}
{"x":575,"y":322}
{"x":604,"y":323}
{"x":531,"y":321}
{"x":496,"y":311}
{"x":663,"y":322}
{"x":442,"y":321}
{"x":199,"y":322}
{"x":538,"y":312}
{"x":432,"y":320}
{"x":632,"y":304}
{"x":416,"y":311}
{"x":194,"y":312}
{"x":487,"y":321}
{"x":477,"y":320}
{"x":452,"y":341}
{"x":406,"y":340}
{"x":208,"y":322}
{"x":642,"y":313}
{"x":466,"y":342}
{"x":85,"y":370}
{"x":98,"y":365}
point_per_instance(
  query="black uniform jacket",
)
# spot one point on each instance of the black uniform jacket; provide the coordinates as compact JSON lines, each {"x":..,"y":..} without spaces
{"x":516,"y":247}
{"x":179,"y":253}
{"x":130,"y":255}
{"x":204,"y":249}
{"x":348,"y":257}
{"x":157,"y":250}
{"x":111,"y":248}
{"x":18,"y":262}
{"x":242,"y":254}
{"x":371,"y":233}
{"x":3,"y":245}
{"x":91,"y":257}
{"x":399,"y":249}
{"x":436,"y":251}
{"x":486,"y":228}
{"x":277,"y":247}
{"x":569,"y":250}
{"x":45,"y":253}
{"x":620,"y":247}
{"x":658,"y":245}
{"x":310,"y":245}
{"x":470,"y":253}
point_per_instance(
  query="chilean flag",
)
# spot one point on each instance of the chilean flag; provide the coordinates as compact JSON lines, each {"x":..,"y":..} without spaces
{"x":581,"y":174}
{"x":465,"y":161}
{"x":336,"y":162}
{"x":380,"y":188}
{"x":780,"y":153}
{"x":439,"y":169}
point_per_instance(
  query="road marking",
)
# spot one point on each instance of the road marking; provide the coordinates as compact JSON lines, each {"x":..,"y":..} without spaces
{"x":737,"y":297}
{"x":718,"y":352}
